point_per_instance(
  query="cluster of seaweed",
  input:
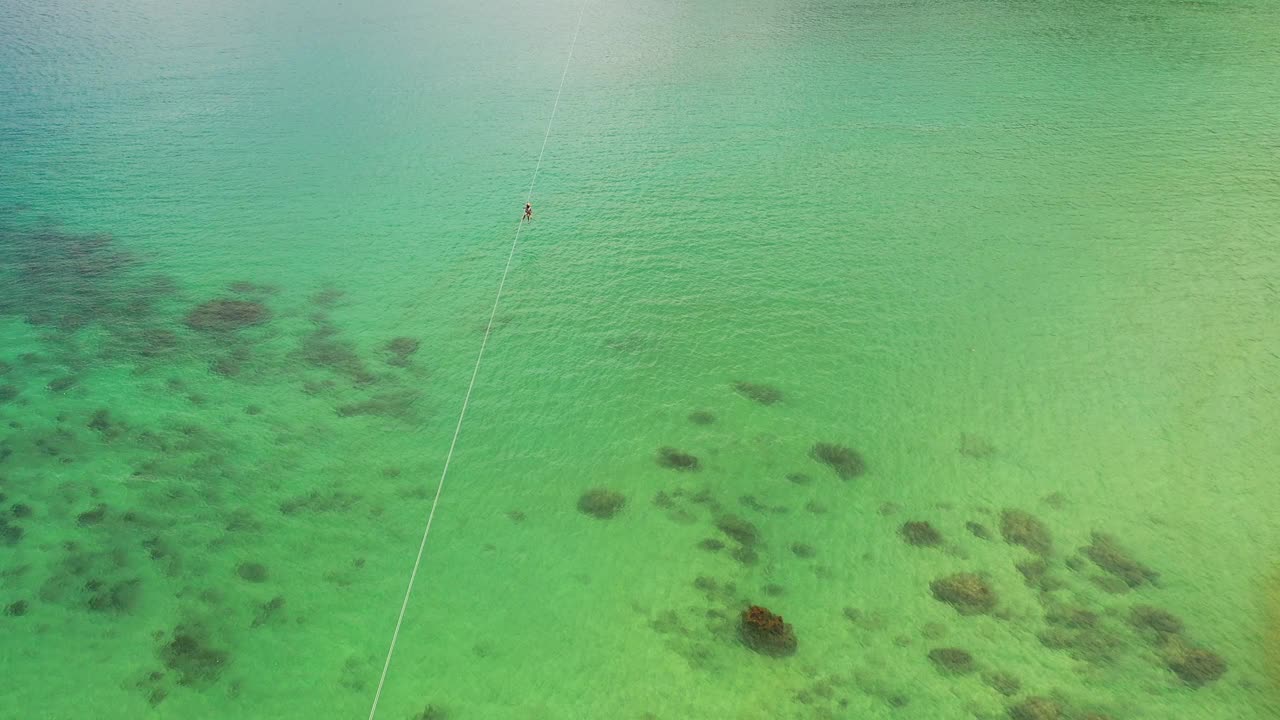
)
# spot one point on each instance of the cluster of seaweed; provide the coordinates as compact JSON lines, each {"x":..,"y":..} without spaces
{"x":385,"y":393}
{"x":1074,"y":589}
{"x":1075,"y":623}
{"x":734,"y":531}
{"x":112,"y":546}
{"x":85,"y":281}
{"x":68,"y":282}
{"x":65,"y":280}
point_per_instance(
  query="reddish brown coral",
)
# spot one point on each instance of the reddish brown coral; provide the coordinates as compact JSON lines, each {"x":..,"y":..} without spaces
{"x":766,"y":633}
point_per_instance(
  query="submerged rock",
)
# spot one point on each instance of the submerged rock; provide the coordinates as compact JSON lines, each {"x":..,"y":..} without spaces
{"x":766,"y":633}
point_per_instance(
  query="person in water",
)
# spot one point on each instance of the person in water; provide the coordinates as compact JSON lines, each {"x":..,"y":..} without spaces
{"x":528,"y":211}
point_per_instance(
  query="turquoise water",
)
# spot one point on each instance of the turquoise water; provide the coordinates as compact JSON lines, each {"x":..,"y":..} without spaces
{"x":1019,"y":256}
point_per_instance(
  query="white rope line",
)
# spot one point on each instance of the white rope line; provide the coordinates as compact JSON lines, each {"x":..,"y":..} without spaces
{"x":466,"y":400}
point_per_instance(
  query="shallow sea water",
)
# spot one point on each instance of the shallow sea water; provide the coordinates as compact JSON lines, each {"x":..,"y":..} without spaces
{"x":1019,"y":256}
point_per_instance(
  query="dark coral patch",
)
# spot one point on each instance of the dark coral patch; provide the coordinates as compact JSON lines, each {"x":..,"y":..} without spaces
{"x":920,"y":534}
{"x":327,"y":297}
{"x":268,"y":611}
{"x":320,"y":350}
{"x":601,"y":503}
{"x":1089,"y":644}
{"x":195,"y":663}
{"x":401,"y":350}
{"x":669,"y":457}
{"x":952,"y":661}
{"x":1074,"y":618}
{"x":738,"y":529}
{"x":103,"y":423}
{"x":763,"y":394}
{"x":1004,"y":683}
{"x":1105,"y":552}
{"x":976,"y":446}
{"x":223,"y":316}
{"x":244,"y":287}
{"x":803,"y":550}
{"x":156,"y":342}
{"x":968,"y":593}
{"x":978,"y":530}
{"x":1149,"y":617}
{"x":393,"y":405}
{"x":1036,"y":708}
{"x":10,"y":534}
{"x":252,"y":572}
{"x":92,"y":517}
{"x":1195,"y":666}
{"x":432,"y":712}
{"x":1022,"y":528}
{"x":118,"y":597}
{"x":846,"y":462}
{"x":63,"y":383}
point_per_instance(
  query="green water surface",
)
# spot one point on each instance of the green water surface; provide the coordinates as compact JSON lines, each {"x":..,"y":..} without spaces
{"x":1021,"y":257}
